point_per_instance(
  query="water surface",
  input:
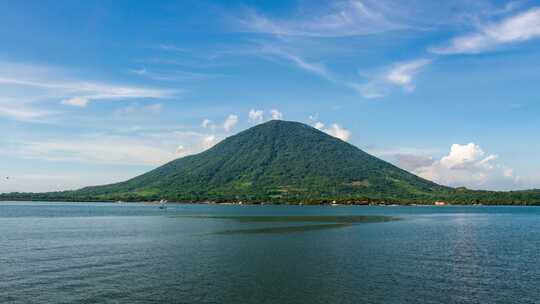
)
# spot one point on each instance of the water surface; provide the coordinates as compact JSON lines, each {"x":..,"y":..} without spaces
{"x":136,"y":253}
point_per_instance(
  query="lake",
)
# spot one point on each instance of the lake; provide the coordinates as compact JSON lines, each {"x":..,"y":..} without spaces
{"x":137,"y":253}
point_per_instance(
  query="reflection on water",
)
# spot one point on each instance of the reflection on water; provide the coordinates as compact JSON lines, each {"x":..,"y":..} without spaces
{"x":287,"y":229}
{"x":301,"y":218}
{"x":136,"y":253}
{"x":330,"y":222}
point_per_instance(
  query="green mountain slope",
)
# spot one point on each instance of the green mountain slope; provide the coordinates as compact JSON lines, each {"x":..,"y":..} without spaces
{"x":277,"y":161}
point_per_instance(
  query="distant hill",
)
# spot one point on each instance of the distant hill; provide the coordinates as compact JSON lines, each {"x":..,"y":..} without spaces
{"x":281,"y":161}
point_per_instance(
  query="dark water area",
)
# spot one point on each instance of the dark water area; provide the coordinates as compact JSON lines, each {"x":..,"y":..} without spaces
{"x":137,"y":253}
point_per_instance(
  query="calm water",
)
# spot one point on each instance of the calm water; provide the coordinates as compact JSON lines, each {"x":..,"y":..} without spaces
{"x":136,"y":253}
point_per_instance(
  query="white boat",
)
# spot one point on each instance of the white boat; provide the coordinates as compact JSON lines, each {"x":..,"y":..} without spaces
{"x":162,"y":204}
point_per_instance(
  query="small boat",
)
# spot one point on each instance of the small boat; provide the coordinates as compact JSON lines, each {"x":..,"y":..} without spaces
{"x":162,"y":204}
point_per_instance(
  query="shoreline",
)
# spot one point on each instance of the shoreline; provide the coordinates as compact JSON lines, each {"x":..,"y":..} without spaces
{"x":157,"y":203}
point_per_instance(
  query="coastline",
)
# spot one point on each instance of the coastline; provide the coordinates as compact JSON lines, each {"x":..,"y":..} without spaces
{"x":272,"y":203}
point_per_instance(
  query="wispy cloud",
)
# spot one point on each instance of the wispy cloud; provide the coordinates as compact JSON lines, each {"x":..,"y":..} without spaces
{"x":24,"y":113}
{"x":136,"y":109}
{"x":173,"y":76}
{"x":400,"y":74}
{"x":103,"y":150}
{"x":144,"y":147}
{"x":280,"y":51}
{"x":30,"y":83}
{"x":518,"y":28}
{"x":342,"y":18}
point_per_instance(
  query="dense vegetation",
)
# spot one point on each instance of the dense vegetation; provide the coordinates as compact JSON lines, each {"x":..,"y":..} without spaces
{"x":281,"y":161}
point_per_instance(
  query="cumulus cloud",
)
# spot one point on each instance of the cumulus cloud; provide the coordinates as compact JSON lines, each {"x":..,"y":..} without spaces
{"x":230,"y":122}
{"x":334,"y":130}
{"x":255,"y":116}
{"x":464,"y":165}
{"x":521,"y":27}
{"x":180,"y":151}
{"x":318,"y":125}
{"x":276,"y":114}
{"x":206,"y":123}
{"x":338,"y":131}
{"x":209,"y":141}
{"x":401,"y":74}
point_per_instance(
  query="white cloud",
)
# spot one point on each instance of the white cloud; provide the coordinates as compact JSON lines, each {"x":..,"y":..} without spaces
{"x":76,"y":101}
{"x":24,"y":113}
{"x":255,"y":116}
{"x":230,"y":122}
{"x":342,"y":18}
{"x":108,"y":150}
{"x":339,"y":132}
{"x":371,"y":90}
{"x":334,"y":130}
{"x":95,"y":91}
{"x":174,"y":76}
{"x":276,"y":114}
{"x":318,"y":125}
{"x":34,"y":83}
{"x":517,"y":28}
{"x":461,"y":156}
{"x":209,"y":141}
{"x":464,"y":165}
{"x":206,"y":123}
{"x":180,"y":150}
{"x":136,"y":109}
{"x":316,"y":68}
{"x":141,"y":147}
{"x":401,"y":74}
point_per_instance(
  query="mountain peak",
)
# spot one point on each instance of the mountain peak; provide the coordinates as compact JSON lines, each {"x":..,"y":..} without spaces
{"x":277,"y":160}
{"x":280,"y":125}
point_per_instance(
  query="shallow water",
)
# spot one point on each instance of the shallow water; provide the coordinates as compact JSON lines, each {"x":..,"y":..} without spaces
{"x":136,"y":253}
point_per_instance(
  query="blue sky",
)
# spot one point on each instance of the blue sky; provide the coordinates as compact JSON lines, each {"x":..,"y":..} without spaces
{"x":94,"y":92}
